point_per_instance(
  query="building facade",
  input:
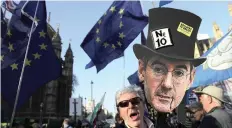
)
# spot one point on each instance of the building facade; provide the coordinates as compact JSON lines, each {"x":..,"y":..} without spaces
{"x":52,"y":100}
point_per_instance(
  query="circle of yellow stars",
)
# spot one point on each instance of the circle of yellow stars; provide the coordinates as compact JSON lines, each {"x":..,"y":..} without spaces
{"x":121,"y":34}
{"x":36,"y":55}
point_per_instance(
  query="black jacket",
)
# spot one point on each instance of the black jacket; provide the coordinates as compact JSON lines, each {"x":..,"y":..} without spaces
{"x":216,"y":118}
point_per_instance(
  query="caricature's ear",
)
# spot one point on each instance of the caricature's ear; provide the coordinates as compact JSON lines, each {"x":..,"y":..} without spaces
{"x":141,"y":68}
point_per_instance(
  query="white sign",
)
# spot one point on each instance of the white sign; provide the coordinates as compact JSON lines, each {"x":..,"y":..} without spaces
{"x":75,"y":102}
{"x":161,"y":38}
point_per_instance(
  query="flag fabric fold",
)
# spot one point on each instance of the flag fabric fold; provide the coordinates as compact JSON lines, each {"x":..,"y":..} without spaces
{"x":113,"y":33}
{"x":10,"y":5}
{"x":218,"y":66}
{"x":41,"y":65}
{"x":3,"y":25}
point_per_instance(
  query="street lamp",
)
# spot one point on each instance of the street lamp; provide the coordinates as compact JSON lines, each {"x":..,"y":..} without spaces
{"x":41,"y":114}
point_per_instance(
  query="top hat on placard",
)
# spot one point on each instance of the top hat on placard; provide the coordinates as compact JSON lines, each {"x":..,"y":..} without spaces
{"x":172,"y":33}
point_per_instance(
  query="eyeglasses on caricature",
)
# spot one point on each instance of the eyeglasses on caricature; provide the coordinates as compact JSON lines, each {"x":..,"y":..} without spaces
{"x":125,"y":103}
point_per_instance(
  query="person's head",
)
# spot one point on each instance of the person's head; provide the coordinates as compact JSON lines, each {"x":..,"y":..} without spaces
{"x":130,"y":105}
{"x":197,"y":111}
{"x":210,"y":97}
{"x":166,"y":62}
{"x":66,"y":122}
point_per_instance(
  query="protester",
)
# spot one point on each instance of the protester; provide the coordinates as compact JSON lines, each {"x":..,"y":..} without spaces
{"x":196,"y":114}
{"x":66,"y":123}
{"x":211,"y":98}
{"x":130,"y":106}
{"x":166,"y":62}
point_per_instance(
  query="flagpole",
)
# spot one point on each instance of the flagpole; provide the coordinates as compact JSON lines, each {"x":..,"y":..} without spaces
{"x":21,"y":75}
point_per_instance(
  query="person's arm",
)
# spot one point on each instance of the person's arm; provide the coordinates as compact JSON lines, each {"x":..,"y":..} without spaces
{"x":210,"y":122}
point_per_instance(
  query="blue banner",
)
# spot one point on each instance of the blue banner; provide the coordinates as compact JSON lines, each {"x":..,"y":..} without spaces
{"x":218,"y":66}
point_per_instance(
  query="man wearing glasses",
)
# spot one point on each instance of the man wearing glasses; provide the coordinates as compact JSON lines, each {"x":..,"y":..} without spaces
{"x":166,"y":62}
{"x":195,"y":114}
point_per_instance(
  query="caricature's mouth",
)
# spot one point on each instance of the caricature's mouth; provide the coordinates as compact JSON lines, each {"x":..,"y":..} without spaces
{"x":164,"y":96}
{"x":134,"y":116}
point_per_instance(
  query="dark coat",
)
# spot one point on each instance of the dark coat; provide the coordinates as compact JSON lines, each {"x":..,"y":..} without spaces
{"x":216,"y":118}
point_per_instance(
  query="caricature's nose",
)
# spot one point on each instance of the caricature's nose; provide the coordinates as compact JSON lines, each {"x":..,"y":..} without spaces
{"x":168,"y":82}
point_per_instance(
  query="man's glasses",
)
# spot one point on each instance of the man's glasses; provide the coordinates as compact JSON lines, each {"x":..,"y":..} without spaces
{"x":125,"y":103}
{"x":160,"y":71}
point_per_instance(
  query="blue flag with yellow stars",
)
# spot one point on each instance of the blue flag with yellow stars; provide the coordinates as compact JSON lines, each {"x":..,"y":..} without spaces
{"x":113,"y":33}
{"x":41,"y":65}
{"x":218,"y":65}
{"x":134,"y":79}
{"x":3,"y":25}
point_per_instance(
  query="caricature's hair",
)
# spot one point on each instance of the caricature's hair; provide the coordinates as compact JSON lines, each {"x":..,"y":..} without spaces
{"x":130,"y":89}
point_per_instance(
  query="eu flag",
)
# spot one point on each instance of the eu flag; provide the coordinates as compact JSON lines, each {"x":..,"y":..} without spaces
{"x":113,"y":33}
{"x":41,"y":65}
{"x":218,"y":66}
{"x":3,"y":25}
{"x":134,"y":79}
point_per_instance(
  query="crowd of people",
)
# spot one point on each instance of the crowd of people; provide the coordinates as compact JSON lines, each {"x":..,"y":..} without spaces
{"x":166,"y":70}
{"x":209,"y":112}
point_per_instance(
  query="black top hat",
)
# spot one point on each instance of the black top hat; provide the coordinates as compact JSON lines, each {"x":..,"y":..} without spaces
{"x":172,"y":33}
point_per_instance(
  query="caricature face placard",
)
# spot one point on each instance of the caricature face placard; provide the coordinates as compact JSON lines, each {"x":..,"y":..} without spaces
{"x":165,"y":83}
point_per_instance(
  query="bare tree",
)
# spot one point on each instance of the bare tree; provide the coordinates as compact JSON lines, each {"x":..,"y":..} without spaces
{"x":75,"y":83}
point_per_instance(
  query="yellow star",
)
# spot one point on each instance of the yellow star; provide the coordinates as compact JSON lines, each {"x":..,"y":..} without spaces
{"x":98,"y":40}
{"x":105,"y":44}
{"x":2,"y":57}
{"x":112,"y":9}
{"x":14,"y":66}
{"x":121,"y":35}
{"x":42,"y":34}
{"x":97,"y":31}
{"x":43,"y":46}
{"x":120,"y":25}
{"x":113,"y":46}
{"x":119,"y":43}
{"x":28,"y":62}
{"x":99,"y":22}
{"x":9,"y":33}
{"x":37,"y":55}
{"x":121,"y":11}
{"x":11,"y":48}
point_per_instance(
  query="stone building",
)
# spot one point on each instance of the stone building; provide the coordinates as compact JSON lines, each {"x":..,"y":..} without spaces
{"x":52,"y":98}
